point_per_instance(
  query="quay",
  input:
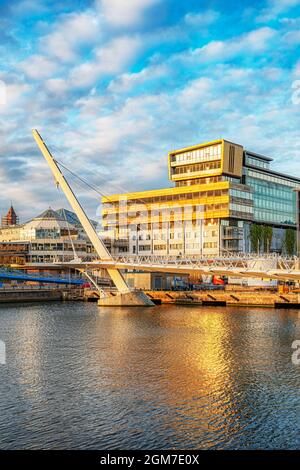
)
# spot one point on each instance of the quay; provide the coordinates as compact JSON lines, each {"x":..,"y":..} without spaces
{"x":232,"y":298}
{"x":39,"y":294}
{"x":217,"y":298}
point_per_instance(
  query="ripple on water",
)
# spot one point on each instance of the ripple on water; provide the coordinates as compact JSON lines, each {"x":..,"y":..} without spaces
{"x":167,"y":377}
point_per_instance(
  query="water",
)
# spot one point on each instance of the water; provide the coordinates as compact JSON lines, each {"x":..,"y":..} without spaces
{"x":160,"y":378}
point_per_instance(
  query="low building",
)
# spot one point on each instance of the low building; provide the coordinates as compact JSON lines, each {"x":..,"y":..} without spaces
{"x":226,"y":199}
{"x":48,"y":238}
{"x":156,"y":281}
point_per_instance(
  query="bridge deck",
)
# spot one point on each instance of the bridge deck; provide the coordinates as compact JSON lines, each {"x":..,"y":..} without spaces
{"x":241,"y":266}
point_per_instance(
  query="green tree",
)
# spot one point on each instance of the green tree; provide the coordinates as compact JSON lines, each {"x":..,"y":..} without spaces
{"x":256,"y":237}
{"x":290,"y":241}
{"x":267,"y":235}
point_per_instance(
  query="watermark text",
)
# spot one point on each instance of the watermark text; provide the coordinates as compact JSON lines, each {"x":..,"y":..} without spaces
{"x":2,"y":353}
{"x":296,"y":353}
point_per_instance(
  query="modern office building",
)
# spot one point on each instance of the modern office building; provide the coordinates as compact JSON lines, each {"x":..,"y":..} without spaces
{"x":224,"y":199}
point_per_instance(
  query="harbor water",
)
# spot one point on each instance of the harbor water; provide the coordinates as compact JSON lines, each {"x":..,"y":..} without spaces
{"x":168,"y":377}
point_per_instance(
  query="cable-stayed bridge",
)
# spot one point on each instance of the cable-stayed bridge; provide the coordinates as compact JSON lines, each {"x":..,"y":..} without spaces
{"x":263,"y":267}
{"x":268,"y":266}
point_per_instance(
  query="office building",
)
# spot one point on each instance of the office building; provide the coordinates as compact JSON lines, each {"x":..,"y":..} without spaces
{"x":225,"y":199}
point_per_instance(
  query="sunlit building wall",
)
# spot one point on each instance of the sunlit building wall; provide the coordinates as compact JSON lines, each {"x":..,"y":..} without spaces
{"x":219,"y":190}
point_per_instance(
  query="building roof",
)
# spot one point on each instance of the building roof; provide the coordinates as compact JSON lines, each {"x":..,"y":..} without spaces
{"x":72,"y":218}
{"x":11,"y":212}
{"x":259,"y":156}
{"x":10,"y":218}
{"x":49,"y":219}
{"x":201,"y":145}
{"x":49,"y":214}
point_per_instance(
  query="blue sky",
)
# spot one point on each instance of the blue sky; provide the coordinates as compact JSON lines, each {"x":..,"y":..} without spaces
{"x":113,"y":85}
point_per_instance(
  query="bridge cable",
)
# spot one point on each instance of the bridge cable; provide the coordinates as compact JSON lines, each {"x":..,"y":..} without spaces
{"x":91,"y":186}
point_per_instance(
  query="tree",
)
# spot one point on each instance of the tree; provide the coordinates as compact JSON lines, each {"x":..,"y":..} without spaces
{"x":290,"y":241}
{"x":267,"y":235}
{"x":255,"y":237}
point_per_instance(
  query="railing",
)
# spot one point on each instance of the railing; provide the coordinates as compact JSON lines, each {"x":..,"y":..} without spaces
{"x":199,"y":258}
{"x":246,"y":261}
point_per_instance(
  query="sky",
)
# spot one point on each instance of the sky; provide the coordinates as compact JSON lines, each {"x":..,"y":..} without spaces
{"x":114,"y":85}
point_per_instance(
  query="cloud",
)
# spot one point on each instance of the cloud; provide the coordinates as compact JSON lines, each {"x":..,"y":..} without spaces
{"x":38,"y":67}
{"x":115,"y":92}
{"x":127,"y":81}
{"x":255,"y":41}
{"x":110,"y":59}
{"x":121,"y":13}
{"x":275,"y":8}
{"x":195,"y":92}
{"x":202,"y":19}
{"x":14,"y":96}
{"x":69,"y":33}
{"x":296,"y":70}
{"x":292,"y":37}
{"x":57,"y":86}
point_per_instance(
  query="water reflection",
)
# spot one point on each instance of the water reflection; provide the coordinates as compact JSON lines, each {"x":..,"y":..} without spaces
{"x":164,"y":377}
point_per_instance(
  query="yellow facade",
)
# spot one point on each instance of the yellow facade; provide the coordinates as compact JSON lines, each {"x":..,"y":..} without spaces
{"x":213,"y":159}
{"x":192,"y":210}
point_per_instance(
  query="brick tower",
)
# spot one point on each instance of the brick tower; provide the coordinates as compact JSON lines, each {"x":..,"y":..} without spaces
{"x":10,"y":218}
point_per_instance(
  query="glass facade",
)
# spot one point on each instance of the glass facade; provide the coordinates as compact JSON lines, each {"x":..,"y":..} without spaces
{"x":274,"y":200}
{"x":257,"y":162}
{"x":212,"y":152}
{"x":197,"y":168}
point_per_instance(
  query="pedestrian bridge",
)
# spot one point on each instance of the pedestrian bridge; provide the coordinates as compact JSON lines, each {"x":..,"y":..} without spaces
{"x":269,"y":266}
{"x":266,"y":267}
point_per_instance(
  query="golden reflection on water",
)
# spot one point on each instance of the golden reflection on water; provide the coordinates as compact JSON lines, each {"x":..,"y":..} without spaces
{"x":199,"y":375}
{"x":204,"y":361}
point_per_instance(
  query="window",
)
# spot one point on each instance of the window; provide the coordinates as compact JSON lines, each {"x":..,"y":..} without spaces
{"x":144,"y":248}
{"x":231,"y":159}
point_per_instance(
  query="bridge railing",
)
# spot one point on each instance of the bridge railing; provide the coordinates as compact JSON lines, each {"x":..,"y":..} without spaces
{"x":163,"y":259}
{"x":247,"y":261}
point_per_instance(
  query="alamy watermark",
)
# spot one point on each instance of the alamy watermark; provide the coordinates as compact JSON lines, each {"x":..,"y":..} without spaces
{"x":296,"y":353}
{"x":2,"y":353}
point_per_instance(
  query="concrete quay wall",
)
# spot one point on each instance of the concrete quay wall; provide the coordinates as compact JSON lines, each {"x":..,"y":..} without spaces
{"x":231,"y":298}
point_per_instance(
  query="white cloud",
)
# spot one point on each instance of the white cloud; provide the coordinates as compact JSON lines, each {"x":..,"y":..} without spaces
{"x":275,"y":8}
{"x":258,"y":39}
{"x":292,"y":37}
{"x":125,"y":82}
{"x":38,"y":67}
{"x":250,"y":43}
{"x":71,"y":32}
{"x":177,"y":100}
{"x":202,"y":19}
{"x":125,"y":12}
{"x":29,"y":7}
{"x":57,"y":86}
{"x":14,"y":97}
{"x":110,"y":59}
{"x":195,"y":92}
